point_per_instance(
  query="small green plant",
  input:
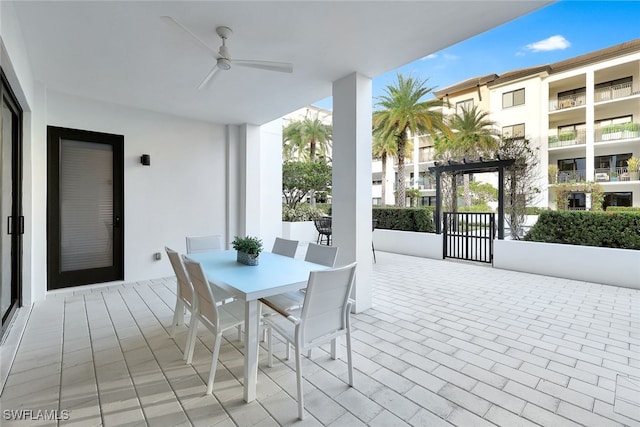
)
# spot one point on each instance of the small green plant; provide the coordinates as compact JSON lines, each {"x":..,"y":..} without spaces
{"x":567,"y":136}
{"x":249,"y":245}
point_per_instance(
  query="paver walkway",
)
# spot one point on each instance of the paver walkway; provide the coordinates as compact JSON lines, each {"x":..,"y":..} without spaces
{"x":446,"y":343}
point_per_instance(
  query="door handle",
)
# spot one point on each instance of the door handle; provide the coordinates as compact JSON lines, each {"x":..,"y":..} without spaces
{"x":9,"y":225}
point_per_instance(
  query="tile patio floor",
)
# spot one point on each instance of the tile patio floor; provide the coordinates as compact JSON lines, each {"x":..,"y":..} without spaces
{"x":446,"y":343}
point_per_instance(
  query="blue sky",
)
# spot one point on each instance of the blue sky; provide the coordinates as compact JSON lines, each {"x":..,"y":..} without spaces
{"x":560,"y":31}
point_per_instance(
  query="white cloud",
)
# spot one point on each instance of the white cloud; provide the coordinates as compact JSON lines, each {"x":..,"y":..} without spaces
{"x":451,"y":57}
{"x":552,"y":43}
{"x":432,"y":56}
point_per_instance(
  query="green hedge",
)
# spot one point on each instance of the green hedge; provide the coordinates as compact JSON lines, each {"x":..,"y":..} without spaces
{"x":619,"y":230}
{"x":405,"y":219}
{"x":630,"y":209}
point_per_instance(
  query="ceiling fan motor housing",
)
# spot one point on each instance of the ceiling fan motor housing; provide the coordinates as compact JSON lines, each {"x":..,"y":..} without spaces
{"x":224,"y":64}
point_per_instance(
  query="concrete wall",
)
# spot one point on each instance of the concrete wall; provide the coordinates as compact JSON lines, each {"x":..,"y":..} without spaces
{"x":618,"y":267}
{"x":426,"y":245}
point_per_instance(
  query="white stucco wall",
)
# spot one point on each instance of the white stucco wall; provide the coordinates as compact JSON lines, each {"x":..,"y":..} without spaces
{"x":182,"y":192}
{"x":607,"y":266}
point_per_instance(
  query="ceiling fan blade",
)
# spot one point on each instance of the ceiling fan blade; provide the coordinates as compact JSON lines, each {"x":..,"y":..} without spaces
{"x":283,"y":67}
{"x":172,"y":22}
{"x":209,"y":77}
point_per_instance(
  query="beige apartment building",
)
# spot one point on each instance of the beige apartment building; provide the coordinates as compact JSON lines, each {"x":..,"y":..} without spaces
{"x":583,"y":114}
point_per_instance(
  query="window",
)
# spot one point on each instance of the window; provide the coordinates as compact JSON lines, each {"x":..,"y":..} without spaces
{"x":614,"y":121}
{"x":613,"y":161}
{"x":466,"y":105}
{"x":513,"y":131}
{"x":572,"y":170}
{"x":428,"y":201}
{"x":614,"y":83}
{"x":617,"y":199}
{"x":513,"y":98}
{"x":377,"y":201}
{"x":577,"y":201}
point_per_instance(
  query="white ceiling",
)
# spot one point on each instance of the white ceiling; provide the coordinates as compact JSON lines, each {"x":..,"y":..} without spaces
{"x":122,"y":52}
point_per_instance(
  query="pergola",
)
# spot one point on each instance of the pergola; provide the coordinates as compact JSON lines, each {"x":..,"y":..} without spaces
{"x":473,"y":166}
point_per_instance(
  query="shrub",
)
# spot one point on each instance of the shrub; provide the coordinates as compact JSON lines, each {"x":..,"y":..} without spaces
{"x":302,"y":212}
{"x":249,"y":245}
{"x":324,"y":207}
{"x":630,"y":209}
{"x":475,"y":208}
{"x":619,"y":230}
{"x":405,"y":219}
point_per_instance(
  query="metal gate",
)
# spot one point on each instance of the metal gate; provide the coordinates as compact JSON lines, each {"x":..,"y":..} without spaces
{"x":469,"y":236}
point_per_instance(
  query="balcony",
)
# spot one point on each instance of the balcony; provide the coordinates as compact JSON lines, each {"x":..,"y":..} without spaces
{"x":566,"y":139}
{"x":611,"y":174}
{"x":569,"y":101}
{"x":617,"y":91}
{"x":616,"y":132}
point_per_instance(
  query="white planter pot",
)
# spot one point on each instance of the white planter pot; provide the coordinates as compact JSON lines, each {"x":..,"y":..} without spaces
{"x":607,"y":266}
{"x":303,"y":231}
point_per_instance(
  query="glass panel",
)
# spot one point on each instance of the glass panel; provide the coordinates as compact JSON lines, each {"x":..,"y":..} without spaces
{"x":6,"y":132}
{"x":86,"y":205}
{"x":518,"y":97}
{"x":507,"y":99}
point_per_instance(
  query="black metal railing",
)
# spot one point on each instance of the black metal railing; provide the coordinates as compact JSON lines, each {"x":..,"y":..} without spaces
{"x":469,"y":236}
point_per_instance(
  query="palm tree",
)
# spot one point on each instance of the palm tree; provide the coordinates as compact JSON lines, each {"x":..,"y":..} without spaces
{"x":401,"y":111}
{"x":384,"y":147}
{"x":297,"y":135}
{"x":474,"y":135}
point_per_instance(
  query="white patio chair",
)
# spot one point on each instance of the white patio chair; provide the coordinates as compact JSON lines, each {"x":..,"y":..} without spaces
{"x":285,"y":247}
{"x":217,"y":318}
{"x":184,"y":294}
{"x":324,"y":316}
{"x":204,"y":243}
{"x":318,"y":254}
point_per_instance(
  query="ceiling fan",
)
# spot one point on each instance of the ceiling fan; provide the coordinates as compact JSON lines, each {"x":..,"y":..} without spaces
{"x":223,"y":58}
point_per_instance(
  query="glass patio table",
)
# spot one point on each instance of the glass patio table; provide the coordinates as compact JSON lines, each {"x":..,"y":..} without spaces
{"x":274,"y":275}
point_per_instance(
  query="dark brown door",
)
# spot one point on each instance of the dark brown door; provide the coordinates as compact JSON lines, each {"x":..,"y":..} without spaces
{"x":85,"y":207}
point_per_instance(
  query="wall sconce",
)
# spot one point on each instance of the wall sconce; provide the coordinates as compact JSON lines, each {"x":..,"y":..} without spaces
{"x":145,"y":159}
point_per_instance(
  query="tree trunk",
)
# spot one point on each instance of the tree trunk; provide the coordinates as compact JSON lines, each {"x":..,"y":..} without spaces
{"x":312,"y":158}
{"x":467,"y":190}
{"x":454,"y":193}
{"x":401,"y":193}
{"x":384,"y":180}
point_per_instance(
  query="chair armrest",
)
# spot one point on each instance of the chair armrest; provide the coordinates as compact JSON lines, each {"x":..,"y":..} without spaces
{"x":279,"y":310}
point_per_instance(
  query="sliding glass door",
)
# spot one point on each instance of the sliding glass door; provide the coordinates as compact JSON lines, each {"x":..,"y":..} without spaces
{"x":10,"y":203}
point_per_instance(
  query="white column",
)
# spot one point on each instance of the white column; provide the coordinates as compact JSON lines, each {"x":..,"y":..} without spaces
{"x":243,"y":174}
{"x":590,"y":118}
{"x":351,"y":188}
{"x":270,"y":182}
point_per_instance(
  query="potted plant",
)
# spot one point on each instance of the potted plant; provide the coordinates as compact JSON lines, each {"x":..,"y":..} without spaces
{"x":613,"y":175}
{"x":569,"y":136}
{"x":612,"y":132}
{"x":631,"y":130}
{"x":553,"y":174}
{"x":633,"y":165}
{"x":248,"y":248}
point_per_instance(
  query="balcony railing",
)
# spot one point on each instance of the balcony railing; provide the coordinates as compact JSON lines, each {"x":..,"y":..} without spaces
{"x":611,"y":174}
{"x":571,"y":176}
{"x":617,"y":131}
{"x":621,"y":90}
{"x":565,"y":139}
{"x":568,"y":101}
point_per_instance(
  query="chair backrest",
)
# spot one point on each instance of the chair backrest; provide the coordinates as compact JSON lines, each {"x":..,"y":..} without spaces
{"x":204,"y":243}
{"x":326,"y":302}
{"x":322,"y":254}
{"x":184,"y":288}
{"x":205,"y":302}
{"x":285,"y":247}
{"x":323,"y":224}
